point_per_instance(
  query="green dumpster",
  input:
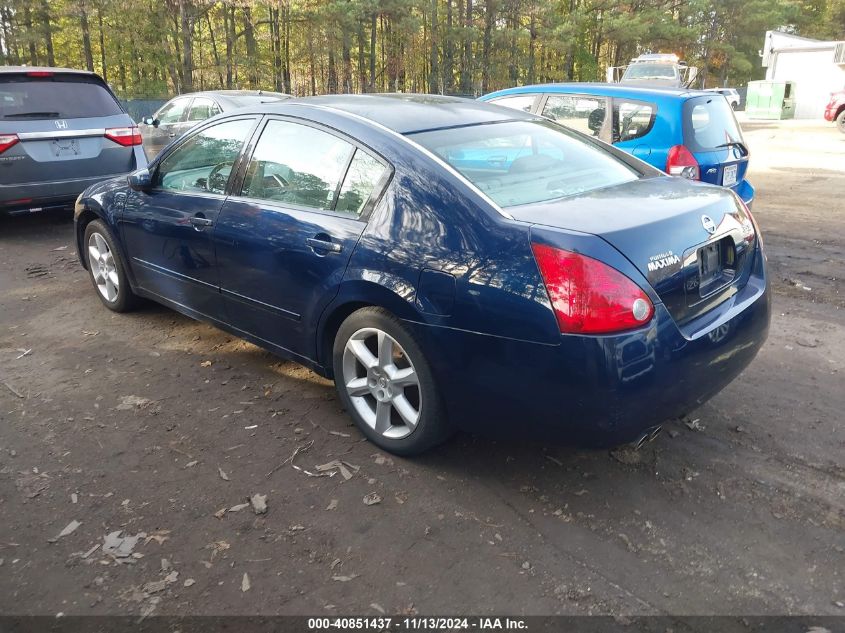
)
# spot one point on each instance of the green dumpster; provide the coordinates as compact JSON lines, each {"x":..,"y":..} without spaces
{"x":770,"y":100}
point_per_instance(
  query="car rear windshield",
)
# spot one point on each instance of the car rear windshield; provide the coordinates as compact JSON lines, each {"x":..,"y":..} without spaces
{"x":55,"y":97}
{"x":709,"y":123}
{"x":522,"y":162}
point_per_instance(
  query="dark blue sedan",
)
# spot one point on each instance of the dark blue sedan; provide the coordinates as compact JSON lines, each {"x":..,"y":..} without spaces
{"x":451,"y":264}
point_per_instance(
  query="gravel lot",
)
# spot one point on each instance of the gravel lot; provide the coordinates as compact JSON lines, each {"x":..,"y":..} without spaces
{"x":152,"y":423}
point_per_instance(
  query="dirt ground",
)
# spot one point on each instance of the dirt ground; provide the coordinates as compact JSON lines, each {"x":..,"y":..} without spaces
{"x":152,"y":423}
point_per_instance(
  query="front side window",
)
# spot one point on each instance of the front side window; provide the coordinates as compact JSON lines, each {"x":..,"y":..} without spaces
{"x":582,"y":113}
{"x":202,"y":109}
{"x":632,"y":120}
{"x":173,"y":111}
{"x":297,"y":165}
{"x":203,"y":162}
{"x":522,"y":162}
{"x":516,"y":102}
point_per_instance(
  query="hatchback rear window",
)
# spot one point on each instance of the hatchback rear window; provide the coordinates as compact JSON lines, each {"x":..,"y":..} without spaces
{"x":709,"y":124}
{"x":57,"y":97}
{"x":521,"y":162}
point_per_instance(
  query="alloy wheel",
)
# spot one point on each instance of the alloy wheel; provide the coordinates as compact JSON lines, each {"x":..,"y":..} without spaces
{"x":382,"y":383}
{"x":101,"y":263}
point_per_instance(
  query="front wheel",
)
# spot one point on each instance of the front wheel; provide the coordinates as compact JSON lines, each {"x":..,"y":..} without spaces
{"x":840,"y":122}
{"x":107,"y":270}
{"x":386,"y":384}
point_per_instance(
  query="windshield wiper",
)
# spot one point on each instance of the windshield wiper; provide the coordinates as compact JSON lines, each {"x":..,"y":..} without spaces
{"x":20,"y":115}
{"x":742,"y":148}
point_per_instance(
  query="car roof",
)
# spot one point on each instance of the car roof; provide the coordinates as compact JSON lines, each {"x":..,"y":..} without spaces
{"x":409,"y":113}
{"x":597,"y":88}
{"x":46,"y":69}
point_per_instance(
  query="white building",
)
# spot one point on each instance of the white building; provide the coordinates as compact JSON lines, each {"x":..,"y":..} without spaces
{"x":816,"y":67}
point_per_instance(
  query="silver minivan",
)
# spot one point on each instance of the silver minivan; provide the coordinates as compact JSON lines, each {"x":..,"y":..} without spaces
{"x":61,"y":130}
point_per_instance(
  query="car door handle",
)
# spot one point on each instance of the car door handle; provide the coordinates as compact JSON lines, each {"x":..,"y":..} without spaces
{"x":200,"y":222}
{"x":324,"y":245}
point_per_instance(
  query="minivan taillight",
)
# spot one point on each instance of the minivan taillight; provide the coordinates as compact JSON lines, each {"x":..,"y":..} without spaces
{"x":588,"y":296}
{"x":125,"y":136}
{"x":681,"y":162}
{"x":7,"y":141}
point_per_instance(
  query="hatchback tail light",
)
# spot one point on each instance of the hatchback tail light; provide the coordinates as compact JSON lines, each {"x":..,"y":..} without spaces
{"x":126,"y":136}
{"x":7,"y":141}
{"x":40,"y":73}
{"x":588,"y":296}
{"x":681,"y":162}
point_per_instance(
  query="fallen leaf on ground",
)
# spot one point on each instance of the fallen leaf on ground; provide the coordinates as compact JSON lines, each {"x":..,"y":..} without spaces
{"x":70,"y":528}
{"x":239,"y":507}
{"x":120,"y":546}
{"x":259,"y":503}
{"x":345,"y":578}
{"x":188,"y":582}
{"x":332,"y":504}
{"x":154,"y":586}
{"x":205,"y":363}
{"x":245,"y":584}
{"x":222,"y":474}
{"x":372,"y":499}
{"x":127,"y":403}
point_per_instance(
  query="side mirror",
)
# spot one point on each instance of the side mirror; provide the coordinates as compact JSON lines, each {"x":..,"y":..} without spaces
{"x":148,"y":120}
{"x":140,"y":180}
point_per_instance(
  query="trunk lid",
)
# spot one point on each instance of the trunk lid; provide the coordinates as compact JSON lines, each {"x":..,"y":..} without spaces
{"x":692,"y":242}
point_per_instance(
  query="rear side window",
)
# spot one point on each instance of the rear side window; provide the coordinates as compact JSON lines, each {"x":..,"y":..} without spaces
{"x":55,"y":97}
{"x":297,"y":165}
{"x":632,"y":119}
{"x":516,"y":102}
{"x":709,"y":123}
{"x":582,"y":113}
{"x":521,"y":162}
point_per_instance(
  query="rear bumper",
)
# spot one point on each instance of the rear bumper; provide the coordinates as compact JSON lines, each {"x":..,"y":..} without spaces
{"x":745,"y":190}
{"x":599,"y":390}
{"x":38,"y":196}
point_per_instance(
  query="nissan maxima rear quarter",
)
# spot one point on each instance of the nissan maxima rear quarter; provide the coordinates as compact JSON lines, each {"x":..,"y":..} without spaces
{"x":449,"y":263}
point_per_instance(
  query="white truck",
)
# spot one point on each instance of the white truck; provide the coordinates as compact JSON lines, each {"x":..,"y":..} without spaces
{"x":654,"y":69}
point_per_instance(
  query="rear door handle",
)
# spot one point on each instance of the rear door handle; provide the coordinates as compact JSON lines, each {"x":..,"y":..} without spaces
{"x":323,"y":245}
{"x":200,"y":223}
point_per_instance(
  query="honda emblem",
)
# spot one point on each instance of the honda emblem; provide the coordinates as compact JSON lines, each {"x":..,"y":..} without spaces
{"x":61,"y":124}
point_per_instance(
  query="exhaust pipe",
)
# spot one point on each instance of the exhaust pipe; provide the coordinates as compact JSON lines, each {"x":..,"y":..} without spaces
{"x":648,"y":436}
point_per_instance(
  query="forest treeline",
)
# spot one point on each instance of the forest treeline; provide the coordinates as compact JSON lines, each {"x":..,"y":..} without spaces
{"x":156,"y":48}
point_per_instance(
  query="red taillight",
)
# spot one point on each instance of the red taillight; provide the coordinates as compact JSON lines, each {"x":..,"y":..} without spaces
{"x":681,"y":162}
{"x":7,"y":141}
{"x":125,"y":136}
{"x":588,"y":296}
{"x":39,"y":73}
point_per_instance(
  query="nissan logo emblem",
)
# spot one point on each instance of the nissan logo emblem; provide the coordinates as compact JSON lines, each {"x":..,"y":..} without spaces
{"x":61,"y":124}
{"x":708,"y":224}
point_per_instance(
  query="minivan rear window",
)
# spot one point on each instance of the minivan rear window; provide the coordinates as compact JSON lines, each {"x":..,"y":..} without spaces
{"x":522,"y":162}
{"x":56,"y":97}
{"x":709,"y":123}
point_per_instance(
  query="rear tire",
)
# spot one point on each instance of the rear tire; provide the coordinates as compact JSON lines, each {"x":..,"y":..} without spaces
{"x":386,"y":384}
{"x":107,"y":269}
{"x":840,"y":122}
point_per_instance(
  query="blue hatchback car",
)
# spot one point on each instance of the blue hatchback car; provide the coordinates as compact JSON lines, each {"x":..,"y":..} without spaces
{"x":689,"y":133}
{"x":450,"y":264}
